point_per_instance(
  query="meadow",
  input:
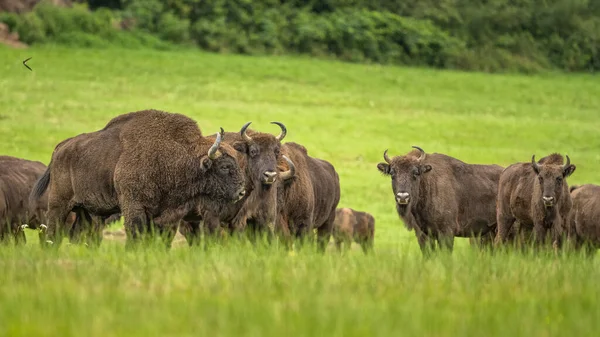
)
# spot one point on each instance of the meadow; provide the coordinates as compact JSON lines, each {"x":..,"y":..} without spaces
{"x":347,"y":114}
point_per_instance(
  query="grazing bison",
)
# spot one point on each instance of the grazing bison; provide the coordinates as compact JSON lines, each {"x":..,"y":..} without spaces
{"x":309,"y":199}
{"x":17,"y":177}
{"x":259,"y":155}
{"x":441,"y":197}
{"x":537,"y":195}
{"x":132,"y":166}
{"x":583,"y":222}
{"x":351,"y":225}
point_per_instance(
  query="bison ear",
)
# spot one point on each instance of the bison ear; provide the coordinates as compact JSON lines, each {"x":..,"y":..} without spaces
{"x":425,"y":168}
{"x":240,"y":146}
{"x":206,"y":163}
{"x":384,"y":168}
{"x":568,"y":170}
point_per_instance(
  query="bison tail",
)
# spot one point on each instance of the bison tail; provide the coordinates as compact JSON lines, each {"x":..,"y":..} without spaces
{"x":40,"y":187}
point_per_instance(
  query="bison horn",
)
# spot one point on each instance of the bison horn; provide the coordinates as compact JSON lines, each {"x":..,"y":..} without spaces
{"x":422,"y":156}
{"x":283,"y":131}
{"x":568,"y":162}
{"x":222,"y":133}
{"x":213,"y":149}
{"x":289,"y":173}
{"x":243,"y":133}
{"x":385,"y":156}
{"x":534,"y":163}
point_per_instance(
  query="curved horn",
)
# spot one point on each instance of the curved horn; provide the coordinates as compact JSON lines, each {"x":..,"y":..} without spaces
{"x":568,"y":162}
{"x":534,"y":163}
{"x":213,"y":149}
{"x":385,"y":156}
{"x":245,"y":137}
{"x":289,"y":173}
{"x":222,"y":132}
{"x":283,"y":131}
{"x":422,"y":152}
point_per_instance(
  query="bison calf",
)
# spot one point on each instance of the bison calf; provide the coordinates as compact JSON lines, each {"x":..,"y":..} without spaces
{"x":537,"y":195}
{"x":583,"y":224}
{"x":351,"y":225}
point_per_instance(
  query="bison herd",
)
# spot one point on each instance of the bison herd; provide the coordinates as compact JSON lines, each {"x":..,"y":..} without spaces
{"x":162,"y":175}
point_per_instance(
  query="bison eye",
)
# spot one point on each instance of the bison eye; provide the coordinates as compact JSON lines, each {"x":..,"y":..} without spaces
{"x":559,"y":179}
{"x":253,"y":152}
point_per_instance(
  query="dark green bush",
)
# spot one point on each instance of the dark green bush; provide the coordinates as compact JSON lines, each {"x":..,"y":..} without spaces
{"x":486,"y":35}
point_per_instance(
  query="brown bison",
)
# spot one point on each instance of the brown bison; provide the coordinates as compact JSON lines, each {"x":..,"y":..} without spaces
{"x":351,"y":225}
{"x":259,"y":155}
{"x":441,"y":197}
{"x":132,"y":166}
{"x":537,"y":195}
{"x":309,"y":199}
{"x":17,"y":177}
{"x":583,"y":222}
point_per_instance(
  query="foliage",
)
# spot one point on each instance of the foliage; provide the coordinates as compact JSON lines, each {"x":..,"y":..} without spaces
{"x":490,"y":35}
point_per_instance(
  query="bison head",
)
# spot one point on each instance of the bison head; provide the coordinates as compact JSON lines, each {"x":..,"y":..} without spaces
{"x":225,"y":177}
{"x":263,"y":153}
{"x":551,"y":176}
{"x":406,"y":172}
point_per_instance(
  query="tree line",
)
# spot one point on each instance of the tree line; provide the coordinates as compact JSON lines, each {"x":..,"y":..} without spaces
{"x":480,"y":35}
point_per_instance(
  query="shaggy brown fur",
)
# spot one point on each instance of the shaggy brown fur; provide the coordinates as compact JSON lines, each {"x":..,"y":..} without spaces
{"x":441,"y":197}
{"x":132,"y":166}
{"x":309,"y":199}
{"x":351,"y":225}
{"x":258,"y":154}
{"x":583,"y":222}
{"x":536,"y":195}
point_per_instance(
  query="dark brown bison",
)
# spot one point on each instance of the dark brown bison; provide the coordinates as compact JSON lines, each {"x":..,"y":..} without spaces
{"x":537,"y":195}
{"x":259,"y":155}
{"x":17,"y":177}
{"x":583,"y":222}
{"x":309,"y":199}
{"x":351,"y":225}
{"x":441,"y":197}
{"x":132,"y":166}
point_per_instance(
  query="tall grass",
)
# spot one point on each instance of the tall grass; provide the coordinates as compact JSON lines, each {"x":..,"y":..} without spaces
{"x":347,"y":114}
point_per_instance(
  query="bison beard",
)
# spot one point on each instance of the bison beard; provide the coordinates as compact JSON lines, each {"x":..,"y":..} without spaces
{"x":536,"y":195}
{"x":132,"y":166}
{"x":441,"y":197}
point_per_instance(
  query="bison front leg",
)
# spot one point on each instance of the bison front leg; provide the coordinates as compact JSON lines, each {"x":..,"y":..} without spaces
{"x":505,"y":223}
{"x":18,"y":234}
{"x":446,"y":242}
{"x":191,"y":232}
{"x":53,"y":234}
{"x":426,"y":242}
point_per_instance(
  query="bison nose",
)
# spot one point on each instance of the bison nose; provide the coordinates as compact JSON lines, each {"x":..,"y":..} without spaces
{"x":402,"y":198}
{"x":269,"y":177}
{"x":548,"y":199}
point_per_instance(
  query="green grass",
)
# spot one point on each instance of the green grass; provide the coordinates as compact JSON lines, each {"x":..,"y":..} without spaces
{"x":347,"y":114}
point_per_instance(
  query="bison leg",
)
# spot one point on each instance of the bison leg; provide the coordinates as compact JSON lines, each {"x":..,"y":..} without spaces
{"x":136,"y":227}
{"x":55,"y":231}
{"x":426,"y":242}
{"x":167,"y":234}
{"x":540,"y":234}
{"x":212,"y":234}
{"x":95,"y":235}
{"x":19,"y":235}
{"x":324,"y":234}
{"x":505,"y":223}
{"x":446,"y":242}
{"x":191,"y":232}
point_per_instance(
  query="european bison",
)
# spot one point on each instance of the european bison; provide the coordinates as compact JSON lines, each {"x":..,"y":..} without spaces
{"x":441,"y":197}
{"x":351,"y":225}
{"x":133,"y":166}
{"x":309,"y":199}
{"x":583,"y":222}
{"x":537,"y":195}
{"x":260,"y":153}
{"x":17,"y":177}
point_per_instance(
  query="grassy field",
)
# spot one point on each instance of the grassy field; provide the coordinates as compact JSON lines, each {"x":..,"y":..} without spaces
{"x":347,"y":114}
